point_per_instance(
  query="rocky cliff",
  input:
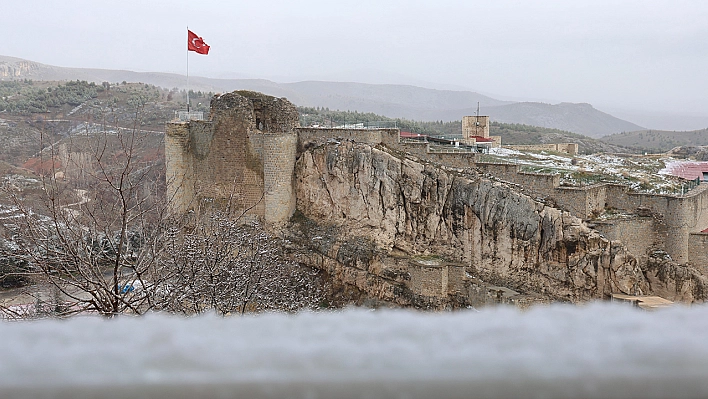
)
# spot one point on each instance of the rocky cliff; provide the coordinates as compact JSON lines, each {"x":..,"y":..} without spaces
{"x":377,"y":212}
{"x":17,"y":68}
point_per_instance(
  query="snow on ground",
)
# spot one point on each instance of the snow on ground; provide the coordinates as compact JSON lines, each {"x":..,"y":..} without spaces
{"x":644,"y":174}
{"x":561,"y":351}
{"x":501,"y":151}
{"x":670,"y":166}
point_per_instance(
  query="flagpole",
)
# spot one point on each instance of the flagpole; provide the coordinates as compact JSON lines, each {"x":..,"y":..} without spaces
{"x":187,"y":70}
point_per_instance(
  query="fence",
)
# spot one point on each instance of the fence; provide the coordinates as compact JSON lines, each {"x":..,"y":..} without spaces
{"x":186,"y":116}
{"x":449,"y":149}
{"x":318,"y":121}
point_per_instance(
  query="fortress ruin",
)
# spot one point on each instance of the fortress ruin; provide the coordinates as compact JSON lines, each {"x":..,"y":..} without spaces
{"x":243,"y":160}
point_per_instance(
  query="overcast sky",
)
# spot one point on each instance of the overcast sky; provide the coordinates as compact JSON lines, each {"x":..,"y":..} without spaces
{"x":647,"y":55}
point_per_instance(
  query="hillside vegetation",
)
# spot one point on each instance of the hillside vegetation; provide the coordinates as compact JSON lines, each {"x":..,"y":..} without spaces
{"x":25,"y":97}
{"x":36,"y":114}
{"x":511,"y":133}
{"x":658,"y":140}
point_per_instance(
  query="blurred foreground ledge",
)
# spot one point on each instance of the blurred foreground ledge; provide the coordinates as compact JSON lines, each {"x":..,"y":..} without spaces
{"x":594,"y":351}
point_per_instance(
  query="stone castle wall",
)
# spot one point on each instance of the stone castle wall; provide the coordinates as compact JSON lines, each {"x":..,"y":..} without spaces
{"x":639,"y":234}
{"x":241,"y":161}
{"x":279,"y":152}
{"x":420,"y":150}
{"x":675,"y":217}
{"x":244,"y":158}
{"x":429,"y":280}
{"x":583,"y":202}
{"x":229,"y":167}
{"x":697,"y":245}
{"x":679,"y":215}
{"x":179,"y":168}
{"x":459,"y":160}
{"x":308,"y":136}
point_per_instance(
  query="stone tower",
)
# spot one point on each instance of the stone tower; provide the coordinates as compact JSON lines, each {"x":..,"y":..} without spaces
{"x":474,"y":126}
{"x":241,"y":160}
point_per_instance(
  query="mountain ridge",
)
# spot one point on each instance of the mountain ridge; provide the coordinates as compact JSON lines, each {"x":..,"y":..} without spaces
{"x":392,"y":100}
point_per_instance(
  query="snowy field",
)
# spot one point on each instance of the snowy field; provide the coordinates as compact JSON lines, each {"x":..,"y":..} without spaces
{"x":595,"y":351}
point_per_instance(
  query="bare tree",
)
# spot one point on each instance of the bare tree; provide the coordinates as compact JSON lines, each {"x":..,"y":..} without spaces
{"x":106,"y":244}
{"x":97,"y":243}
{"x":231,"y":268}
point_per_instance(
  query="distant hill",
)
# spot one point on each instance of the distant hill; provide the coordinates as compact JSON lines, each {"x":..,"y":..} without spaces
{"x":577,"y":118}
{"x":395,"y":101}
{"x":658,"y":140}
{"x":514,"y":133}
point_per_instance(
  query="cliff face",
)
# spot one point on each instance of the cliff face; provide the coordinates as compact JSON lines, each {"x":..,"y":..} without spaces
{"x":18,"y":68}
{"x":404,"y":206}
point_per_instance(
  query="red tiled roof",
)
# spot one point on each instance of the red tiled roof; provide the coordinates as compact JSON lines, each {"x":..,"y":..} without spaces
{"x":482,"y":139}
{"x":687,"y":170}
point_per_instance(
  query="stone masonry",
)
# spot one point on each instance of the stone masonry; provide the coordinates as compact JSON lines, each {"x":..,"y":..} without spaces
{"x":240,"y":161}
{"x":474,"y":126}
{"x":244,"y":160}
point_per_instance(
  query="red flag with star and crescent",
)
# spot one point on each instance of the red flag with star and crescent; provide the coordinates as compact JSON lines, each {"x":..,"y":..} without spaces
{"x":196,"y":43}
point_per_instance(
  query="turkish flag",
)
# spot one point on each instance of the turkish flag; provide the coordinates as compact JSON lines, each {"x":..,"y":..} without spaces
{"x":196,"y":43}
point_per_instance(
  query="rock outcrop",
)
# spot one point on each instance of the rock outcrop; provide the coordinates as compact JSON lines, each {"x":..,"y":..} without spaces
{"x":399,"y":207}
